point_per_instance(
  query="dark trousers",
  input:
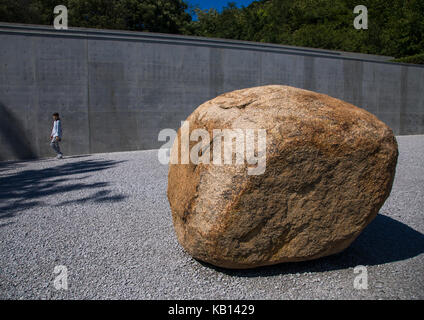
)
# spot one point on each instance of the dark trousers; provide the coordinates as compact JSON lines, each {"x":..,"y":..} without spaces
{"x":55,"y":146}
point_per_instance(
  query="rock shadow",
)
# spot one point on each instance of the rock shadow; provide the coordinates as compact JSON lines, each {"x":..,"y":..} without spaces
{"x":384,"y":240}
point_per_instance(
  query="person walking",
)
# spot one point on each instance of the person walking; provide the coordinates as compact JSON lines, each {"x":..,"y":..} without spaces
{"x":56,"y":135}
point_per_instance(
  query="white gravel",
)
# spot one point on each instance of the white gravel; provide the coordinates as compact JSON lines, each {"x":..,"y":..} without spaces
{"x":107,"y":219}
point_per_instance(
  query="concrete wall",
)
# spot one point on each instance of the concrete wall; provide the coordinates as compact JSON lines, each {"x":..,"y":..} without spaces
{"x":116,"y":90}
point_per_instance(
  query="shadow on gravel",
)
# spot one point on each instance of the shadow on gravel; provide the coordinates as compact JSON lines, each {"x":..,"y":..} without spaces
{"x":23,"y":190}
{"x":384,"y":240}
{"x":6,"y":165}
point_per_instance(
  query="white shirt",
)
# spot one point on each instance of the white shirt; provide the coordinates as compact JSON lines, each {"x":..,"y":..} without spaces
{"x":57,"y":129}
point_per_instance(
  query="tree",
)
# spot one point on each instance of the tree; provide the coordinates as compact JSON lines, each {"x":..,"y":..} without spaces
{"x":395,"y":27}
{"x":167,"y":16}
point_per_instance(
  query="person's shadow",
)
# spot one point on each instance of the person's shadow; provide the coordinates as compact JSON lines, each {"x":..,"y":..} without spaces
{"x":384,"y":240}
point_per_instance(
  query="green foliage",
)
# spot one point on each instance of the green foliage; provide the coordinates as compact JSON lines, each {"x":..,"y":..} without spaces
{"x":395,"y":27}
{"x":417,"y":59}
{"x":167,"y":16}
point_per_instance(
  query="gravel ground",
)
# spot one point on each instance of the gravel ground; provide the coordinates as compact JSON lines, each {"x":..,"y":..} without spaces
{"x":107,"y":219}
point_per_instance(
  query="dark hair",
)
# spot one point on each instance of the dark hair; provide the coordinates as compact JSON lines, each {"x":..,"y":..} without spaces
{"x":56,"y":115}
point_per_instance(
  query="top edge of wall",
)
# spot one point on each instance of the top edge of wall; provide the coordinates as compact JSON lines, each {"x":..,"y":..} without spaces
{"x":89,"y":33}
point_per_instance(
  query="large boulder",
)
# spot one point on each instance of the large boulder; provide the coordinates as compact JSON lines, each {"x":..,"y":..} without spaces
{"x":329,"y":168}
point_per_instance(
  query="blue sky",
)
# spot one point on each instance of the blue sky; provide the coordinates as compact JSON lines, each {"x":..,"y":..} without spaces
{"x":217,"y":4}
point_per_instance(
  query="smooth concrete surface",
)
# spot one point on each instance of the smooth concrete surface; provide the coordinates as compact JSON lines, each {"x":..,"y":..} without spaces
{"x":115,"y":90}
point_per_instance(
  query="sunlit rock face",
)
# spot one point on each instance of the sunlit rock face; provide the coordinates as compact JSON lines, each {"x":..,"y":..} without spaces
{"x":328,"y":168}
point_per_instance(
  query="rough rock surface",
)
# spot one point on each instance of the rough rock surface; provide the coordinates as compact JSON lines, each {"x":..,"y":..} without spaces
{"x":329,"y":168}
